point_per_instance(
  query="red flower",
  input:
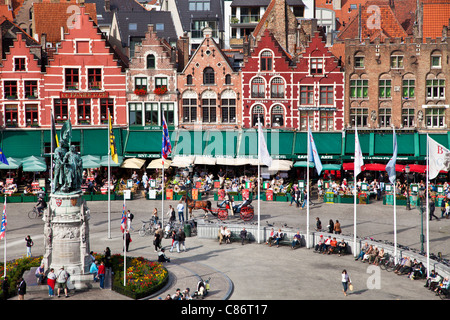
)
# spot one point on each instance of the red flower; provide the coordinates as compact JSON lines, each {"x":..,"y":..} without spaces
{"x":140,"y":92}
{"x":160,"y":90}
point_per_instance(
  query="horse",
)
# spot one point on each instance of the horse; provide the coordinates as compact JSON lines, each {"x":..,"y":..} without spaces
{"x":197,"y":204}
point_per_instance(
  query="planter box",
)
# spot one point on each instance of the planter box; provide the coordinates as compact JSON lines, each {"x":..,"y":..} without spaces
{"x":281,"y":198}
{"x":13,"y":199}
{"x":99,"y":197}
{"x":87,"y":197}
{"x":31,"y":198}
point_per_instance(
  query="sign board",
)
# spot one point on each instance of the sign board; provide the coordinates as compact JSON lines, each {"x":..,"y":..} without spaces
{"x":269,"y":195}
{"x":152,"y":194}
{"x":129,"y":183}
{"x":169,"y":194}
{"x":194,"y":194}
{"x":127,"y":194}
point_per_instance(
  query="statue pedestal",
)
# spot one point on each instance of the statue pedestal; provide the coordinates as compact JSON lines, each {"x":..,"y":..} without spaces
{"x":66,"y":234}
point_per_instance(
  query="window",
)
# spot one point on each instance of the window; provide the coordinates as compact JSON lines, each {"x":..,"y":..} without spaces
{"x":189,"y":110}
{"x":408,"y":89}
{"x":159,"y":27}
{"x":208,"y":76}
{"x":277,"y":116}
{"x":305,"y":118}
{"x":258,"y":90}
{"x":11,"y":115}
{"x":84,"y":111}
{"x":135,"y":113}
{"x":326,"y":120}
{"x":189,"y":79}
{"x":316,"y":66}
{"x":208,"y":110}
{"x":151,"y":62}
{"x":258,"y":115}
{"x":31,"y":114}
{"x":306,"y":95}
{"x":31,"y":89}
{"x":436,"y":61}
{"x":199,"y":5}
{"x":359,"y":62}
{"x":435,"y":88}
{"x":60,"y":108}
{"x":384,"y":89}
{"x":384,"y":117}
{"x":408,"y":117}
{"x":228,"y":110}
{"x":359,"y":88}
{"x":326,"y":95}
{"x":359,"y":116}
{"x":132,"y":26}
{"x":160,"y":82}
{"x":105,"y":105}
{"x":277,"y":88}
{"x":94,"y":79}
{"x":169,"y":112}
{"x":19,"y":64}
{"x":71,"y":79}
{"x":434,"y":117}
{"x":266,"y":61}
{"x":140,"y":83}
{"x":151,"y":114}
{"x":198,"y":25}
{"x":228,"y":79}
{"x":396,"y":62}
{"x":10,"y":89}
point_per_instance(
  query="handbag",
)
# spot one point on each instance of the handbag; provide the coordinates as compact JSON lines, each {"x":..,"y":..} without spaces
{"x":350,"y":286}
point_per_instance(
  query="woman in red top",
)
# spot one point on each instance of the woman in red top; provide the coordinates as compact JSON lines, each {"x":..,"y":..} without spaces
{"x":101,"y":274}
{"x":333,"y":246}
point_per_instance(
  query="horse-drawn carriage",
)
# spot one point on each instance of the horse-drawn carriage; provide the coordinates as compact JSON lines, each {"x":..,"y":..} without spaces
{"x":245,"y":210}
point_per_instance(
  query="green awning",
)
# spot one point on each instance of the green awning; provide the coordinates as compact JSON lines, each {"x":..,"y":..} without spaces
{"x":327,"y":143}
{"x":20,"y":144}
{"x":303,"y":164}
{"x":90,"y":164}
{"x":221,"y":143}
{"x":331,"y":166}
{"x":188,"y":143}
{"x":34,"y":166}
{"x":280,"y":144}
{"x":143,"y":142}
{"x":96,"y":142}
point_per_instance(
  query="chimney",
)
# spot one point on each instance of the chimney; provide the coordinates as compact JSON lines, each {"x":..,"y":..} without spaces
{"x":391,"y":4}
{"x":183,"y":51}
{"x":44,"y":41}
{"x":107,"y":5}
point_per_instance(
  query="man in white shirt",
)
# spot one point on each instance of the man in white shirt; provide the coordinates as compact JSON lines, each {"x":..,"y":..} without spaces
{"x":180,"y":209}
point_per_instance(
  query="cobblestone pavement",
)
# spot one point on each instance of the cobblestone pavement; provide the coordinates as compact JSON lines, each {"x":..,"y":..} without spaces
{"x":255,"y":270}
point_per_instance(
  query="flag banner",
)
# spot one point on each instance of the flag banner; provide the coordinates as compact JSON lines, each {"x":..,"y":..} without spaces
{"x":3,"y":158}
{"x":3,"y":223}
{"x":264,"y":155}
{"x":54,"y":135}
{"x":313,"y":154}
{"x":359,"y":162}
{"x":390,"y":167}
{"x":166,"y":145}
{"x":123,"y":223}
{"x":439,"y":158}
{"x":112,"y":141}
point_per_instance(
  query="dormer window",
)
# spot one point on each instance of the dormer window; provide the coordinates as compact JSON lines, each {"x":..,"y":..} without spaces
{"x":19,"y":64}
{"x":266,"y":61}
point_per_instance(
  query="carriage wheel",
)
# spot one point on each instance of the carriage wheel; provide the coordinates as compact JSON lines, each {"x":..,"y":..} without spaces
{"x":222,"y":214}
{"x":247,"y":214}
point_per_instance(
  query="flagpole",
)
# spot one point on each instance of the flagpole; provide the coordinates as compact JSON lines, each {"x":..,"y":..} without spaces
{"x":308,"y":144}
{"x":162,"y":182}
{"x":258,"y":180}
{"x":395,"y":206}
{"x":427,"y":217}
{"x":51,"y":149}
{"x":109,"y":174}
{"x":4,"y":237}
{"x":124,"y":245}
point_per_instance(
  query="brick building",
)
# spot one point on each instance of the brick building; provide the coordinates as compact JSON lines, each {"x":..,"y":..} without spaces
{"x":209,"y":89}
{"x":285,"y":94}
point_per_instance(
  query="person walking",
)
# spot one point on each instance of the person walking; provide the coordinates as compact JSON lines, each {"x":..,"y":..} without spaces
{"x":432,"y":208}
{"x":243,"y":235}
{"x":180,"y":209}
{"x":61,"y":281}
{"x":5,"y":288}
{"x":130,"y":218}
{"x":181,"y":239}
{"x":21,"y":288}
{"x":29,"y":243}
{"x":345,"y":281}
{"x":175,"y":238}
{"x":101,"y":274}
{"x":127,"y":239}
{"x":51,"y":280}
{"x":337,"y":227}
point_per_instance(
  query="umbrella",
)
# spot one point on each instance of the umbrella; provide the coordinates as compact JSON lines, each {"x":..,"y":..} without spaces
{"x":303,"y":164}
{"x":33,"y":159}
{"x":205,"y":160}
{"x":104,"y":161}
{"x":281,"y":165}
{"x":133,"y":163}
{"x":182,"y":162}
{"x":14,"y":163}
{"x":157,"y":164}
{"x":34,"y":166}
{"x":89,"y":164}
{"x":331,"y":166}
{"x":90,"y":157}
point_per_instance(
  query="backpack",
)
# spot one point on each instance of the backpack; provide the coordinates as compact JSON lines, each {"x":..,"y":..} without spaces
{"x":131,"y":216}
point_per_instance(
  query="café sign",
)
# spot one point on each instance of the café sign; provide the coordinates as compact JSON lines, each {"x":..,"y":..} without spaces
{"x":83,"y":95}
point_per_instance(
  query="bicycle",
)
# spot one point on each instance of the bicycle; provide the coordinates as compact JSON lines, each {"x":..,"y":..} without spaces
{"x":147,"y":228}
{"x":34,"y":213}
{"x":387,"y":263}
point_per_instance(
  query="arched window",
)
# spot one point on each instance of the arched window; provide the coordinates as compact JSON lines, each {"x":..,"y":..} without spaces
{"x":258,"y":90}
{"x":266,"y":61}
{"x":228,"y":79}
{"x":277,"y":88}
{"x":257,"y":113}
{"x":189,"y":79}
{"x":151,"y":63}
{"x":208,"y":76}
{"x":277,"y":116}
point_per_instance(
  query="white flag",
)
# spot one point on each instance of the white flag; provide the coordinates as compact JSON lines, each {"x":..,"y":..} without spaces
{"x":313,"y":154}
{"x":263,"y":153}
{"x":359,"y":162}
{"x":390,"y":167}
{"x":439,"y":158}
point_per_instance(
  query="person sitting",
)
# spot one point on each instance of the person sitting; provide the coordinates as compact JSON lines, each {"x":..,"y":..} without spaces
{"x":41,"y":205}
{"x":242,"y":205}
{"x":40,"y":274}
{"x":374,"y":254}
{"x":326,"y":246}
{"x":342,"y":247}
{"x":227,"y":235}
{"x":221,"y":234}
{"x":296,"y":240}
{"x":443,"y":287}
{"x":94,"y":270}
{"x":333,"y":246}
{"x":362,"y":252}
{"x":406,"y":268}
{"x":367,"y":254}
{"x":162,"y":256}
{"x":418,"y":272}
{"x":278,"y":236}
{"x":320,"y":245}
{"x":379,"y":256}
{"x":431,"y":277}
{"x":271,"y":237}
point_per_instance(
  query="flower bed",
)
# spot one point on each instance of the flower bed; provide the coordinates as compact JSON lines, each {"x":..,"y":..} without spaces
{"x":15,"y":270}
{"x":144,"y":277}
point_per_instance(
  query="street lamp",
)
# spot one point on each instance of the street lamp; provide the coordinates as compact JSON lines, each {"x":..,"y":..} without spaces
{"x":407,"y":170}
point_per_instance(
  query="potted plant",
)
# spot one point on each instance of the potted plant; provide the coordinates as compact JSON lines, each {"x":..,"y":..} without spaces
{"x":140,"y":91}
{"x":160,"y":90}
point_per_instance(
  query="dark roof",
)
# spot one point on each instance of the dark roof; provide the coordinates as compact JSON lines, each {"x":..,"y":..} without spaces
{"x":262,"y":3}
{"x":142,"y":20}
{"x":215,"y":13}
{"x":105,"y":17}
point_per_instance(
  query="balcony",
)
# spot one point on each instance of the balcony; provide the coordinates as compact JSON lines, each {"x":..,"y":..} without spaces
{"x":245,"y":20}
